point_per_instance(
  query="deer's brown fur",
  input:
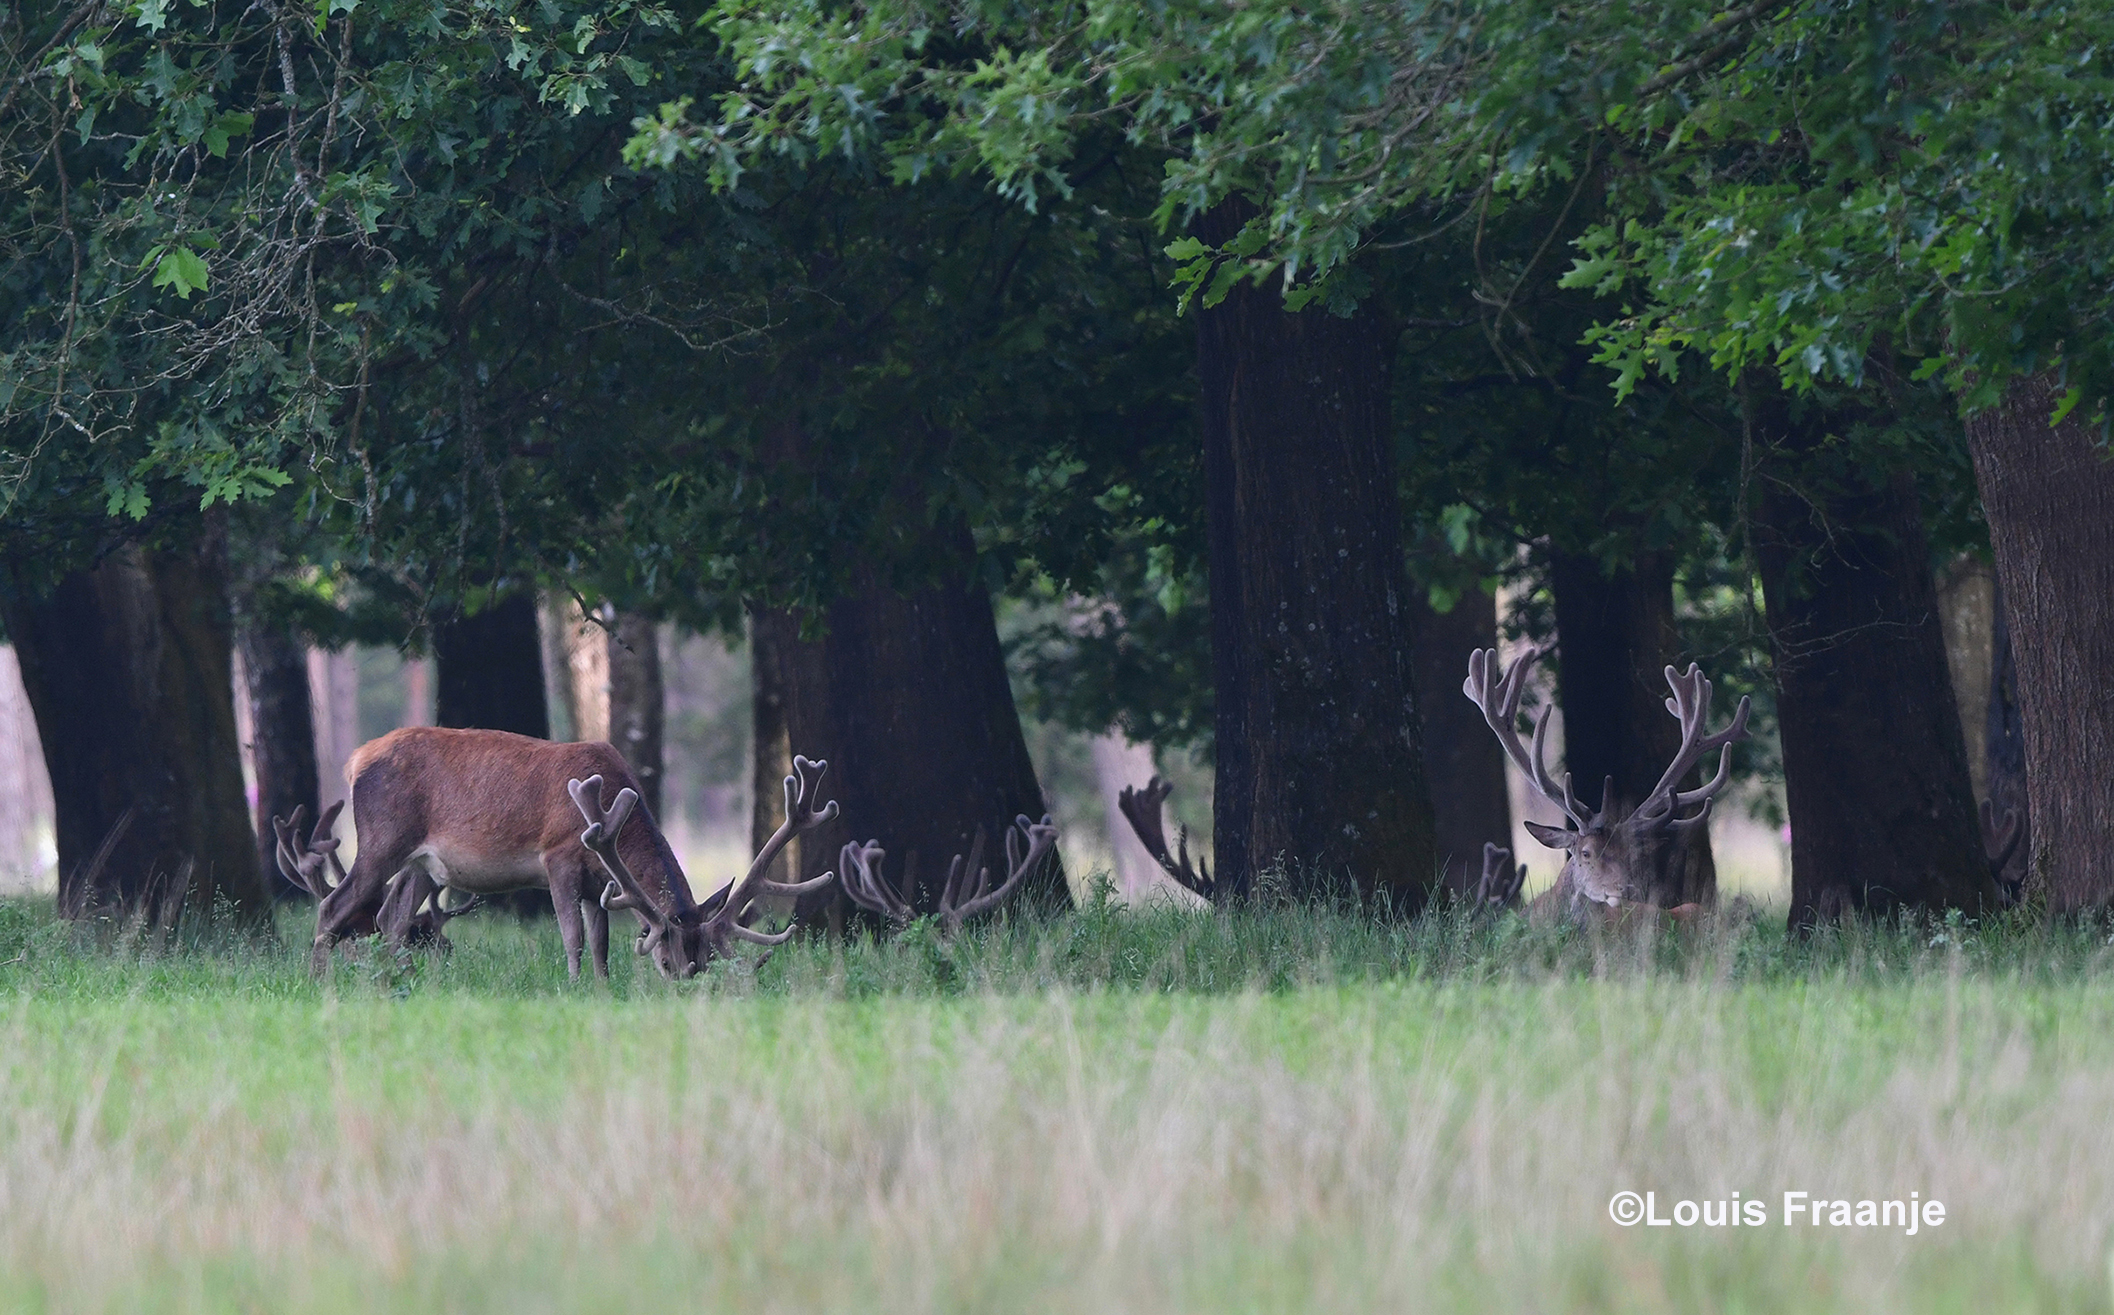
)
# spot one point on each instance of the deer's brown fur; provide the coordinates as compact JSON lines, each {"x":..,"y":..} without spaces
{"x":483,"y":812}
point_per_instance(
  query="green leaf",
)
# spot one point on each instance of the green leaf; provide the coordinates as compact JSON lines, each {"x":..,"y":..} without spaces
{"x":129,"y":498}
{"x":223,"y":128}
{"x":181,"y":270}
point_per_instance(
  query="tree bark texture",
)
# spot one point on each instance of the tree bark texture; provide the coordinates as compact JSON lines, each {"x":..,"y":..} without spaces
{"x":638,"y":701}
{"x":491,"y":670}
{"x":1320,"y":767}
{"x":282,"y":738}
{"x":1618,"y":636}
{"x":1875,"y":767}
{"x":128,"y":668}
{"x":907,"y":699}
{"x":490,"y":677}
{"x":2048,"y":494}
{"x":1463,"y":762}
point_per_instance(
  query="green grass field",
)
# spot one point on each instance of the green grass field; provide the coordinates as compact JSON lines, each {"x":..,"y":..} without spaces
{"x":1105,"y":1112}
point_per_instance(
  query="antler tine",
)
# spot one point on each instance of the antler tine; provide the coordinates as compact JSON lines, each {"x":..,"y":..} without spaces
{"x":976,"y":878}
{"x":300,"y":858}
{"x":1691,"y":705}
{"x":1141,"y":808}
{"x":443,"y":914}
{"x":2002,"y":838}
{"x":600,"y":838}
{"x":741,"y":933}
{"x":1500,"y":883}
{"x":1041,"y":838}
{"x":801,"y":788}
{"x":1497,"y":693}
{"x":865,"y":884}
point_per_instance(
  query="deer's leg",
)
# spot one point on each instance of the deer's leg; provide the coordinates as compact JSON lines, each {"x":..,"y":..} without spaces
{"x":352,"y":908}
{"x":568,"y":881}
{"x":597,"y":935}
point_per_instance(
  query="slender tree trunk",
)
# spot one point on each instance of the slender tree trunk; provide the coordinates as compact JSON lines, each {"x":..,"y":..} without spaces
{"x":638,"y":702}
{"x":907,"y":700}
{"x":774,"y":643}
{"x":1875,"y":767}
{"x":1462,"y":759}
{"x":490,"y":677}
{"x":128,"y":668}
{"x":2005,"y":742}
{"x":1967,"y":610}
{"x":1618,"y":637}
{"x":283,"y":737}
{"x":2048,"y":493}
{"x":1320,"y":766}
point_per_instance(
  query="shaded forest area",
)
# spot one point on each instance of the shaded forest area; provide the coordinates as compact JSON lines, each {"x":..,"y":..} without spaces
{"x":1254,"y":364}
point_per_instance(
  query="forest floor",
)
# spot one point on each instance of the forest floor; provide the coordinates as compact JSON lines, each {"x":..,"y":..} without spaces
{"x":1109,"y":1111}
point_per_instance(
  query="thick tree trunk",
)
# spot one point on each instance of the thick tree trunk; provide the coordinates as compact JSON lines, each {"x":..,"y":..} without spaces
{"x":128,"y":668}
{"x":490,"y":677}
{"x":1462,"y":760}
{"x":1618,"y":637}
{"x":638,"y":702}
{"x":283,"y":738}
{"x":1875,"y":767}
{"x":491,"y":670}
{"x":2005,"y":743}
{"x":908,"y":701}
{"x":1320,"y":768}
{"x":2048,"y":493}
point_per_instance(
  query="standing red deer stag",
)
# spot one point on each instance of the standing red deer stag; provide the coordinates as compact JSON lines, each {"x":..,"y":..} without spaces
{"x":483,"y":812}
{"x":1611,"y":862}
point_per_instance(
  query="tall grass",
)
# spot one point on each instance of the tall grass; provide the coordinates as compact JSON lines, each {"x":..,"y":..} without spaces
{"x":1112,"y":1111}
{"x":1106,"y":947}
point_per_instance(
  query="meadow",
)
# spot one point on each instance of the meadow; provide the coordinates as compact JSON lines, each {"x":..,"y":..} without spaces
{"x":1114,"y":1110}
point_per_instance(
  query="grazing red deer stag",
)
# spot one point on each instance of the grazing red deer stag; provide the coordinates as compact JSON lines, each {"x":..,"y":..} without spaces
{"x":1611,"y":859}
{"x":681,"y":934}
{"x":964,"y":896}
{"x":483,"y":812}
{"x":411,"y":914}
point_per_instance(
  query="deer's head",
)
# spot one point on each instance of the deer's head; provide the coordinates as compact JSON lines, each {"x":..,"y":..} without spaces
{"x":681,"y":937}
{"x":1608,"y":853}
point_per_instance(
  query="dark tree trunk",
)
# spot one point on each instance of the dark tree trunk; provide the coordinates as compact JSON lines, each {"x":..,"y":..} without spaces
{"x":2006,"y":747}
{"x":1462,"y":759}
{"x":1320,"y":769}
{"x":283,"y":731}
{"x":2048,"y":493}
{"x":908,"y":701}
{"x":490,"y":677}
{"x":491,"y":670}
{"x":1875,"y":767}
{"x":638,"y":703}
{"x":128,"y":671}
{"x":1618,"y":637}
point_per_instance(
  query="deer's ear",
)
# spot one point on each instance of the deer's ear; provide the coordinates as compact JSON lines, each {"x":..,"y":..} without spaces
{"x":1555,"y":837}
